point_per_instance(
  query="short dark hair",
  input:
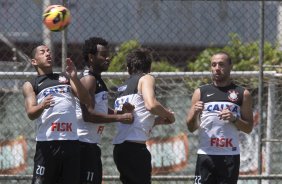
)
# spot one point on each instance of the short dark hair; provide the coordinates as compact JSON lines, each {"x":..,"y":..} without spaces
{"x":139,"y":61}
{"x":90,"y":47}
{"x":33,"y":52}
{"x":225,"y":53}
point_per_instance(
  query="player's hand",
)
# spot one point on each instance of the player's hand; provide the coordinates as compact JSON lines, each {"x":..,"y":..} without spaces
{"x":70,"y":68}
{"x":47,"y":102}
{"x":159,"y":121}
{"x":162,"y":121}
{"x":170,"y":119}
{"x":198,"y":107}
{"x":127,"y":107}
{"x":127,"y":118}
{"x":226,"y":115}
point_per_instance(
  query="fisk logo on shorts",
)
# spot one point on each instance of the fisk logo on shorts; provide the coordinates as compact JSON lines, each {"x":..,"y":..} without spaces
{"x":221,"y":142}
{"x":61,"y":127}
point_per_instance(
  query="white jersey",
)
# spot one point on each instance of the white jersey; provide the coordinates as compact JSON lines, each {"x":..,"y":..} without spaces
{"x":143,"y":123}
{"x":58,"y":122}
{"x":219,"y":137}
{"x":87,"y":131}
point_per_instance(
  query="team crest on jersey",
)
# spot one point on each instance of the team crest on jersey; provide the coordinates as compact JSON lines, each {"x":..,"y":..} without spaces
{"x":63,"y":79}
{"x":233,"y":95}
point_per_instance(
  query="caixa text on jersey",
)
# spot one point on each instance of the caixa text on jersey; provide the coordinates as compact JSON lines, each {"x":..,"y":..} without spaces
{"x":57,"y":89}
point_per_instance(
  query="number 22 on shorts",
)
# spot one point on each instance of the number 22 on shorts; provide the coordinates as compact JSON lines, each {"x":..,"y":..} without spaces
{"x":197,"y":180}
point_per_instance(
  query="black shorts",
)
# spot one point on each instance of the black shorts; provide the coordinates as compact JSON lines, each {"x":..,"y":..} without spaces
{"x":90,"y":164}
{"x":217,"y":169}
{"x":56,"y":162}
{"x":133,"y":161}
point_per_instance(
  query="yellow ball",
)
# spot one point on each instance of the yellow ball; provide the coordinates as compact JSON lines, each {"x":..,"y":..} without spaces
{"x":56,"y":17}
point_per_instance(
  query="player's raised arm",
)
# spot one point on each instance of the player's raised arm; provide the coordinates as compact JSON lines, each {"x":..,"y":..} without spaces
{"x":76,"y":85}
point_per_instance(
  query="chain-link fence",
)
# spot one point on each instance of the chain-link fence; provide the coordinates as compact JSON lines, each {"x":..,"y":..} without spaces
{"x":174,"y":155}
{"x":178,"y":31}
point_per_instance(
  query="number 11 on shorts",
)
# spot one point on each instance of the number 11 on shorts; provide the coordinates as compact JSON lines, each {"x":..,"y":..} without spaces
{"x":90,"y":176}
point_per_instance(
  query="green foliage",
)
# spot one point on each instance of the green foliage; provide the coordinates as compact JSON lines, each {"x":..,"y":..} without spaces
{"x":163,"y":66}
{"x":245,"y":56}
{"x":118,"y":63}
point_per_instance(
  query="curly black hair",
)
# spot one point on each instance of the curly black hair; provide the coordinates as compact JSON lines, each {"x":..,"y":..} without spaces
{"x":90,"y":47}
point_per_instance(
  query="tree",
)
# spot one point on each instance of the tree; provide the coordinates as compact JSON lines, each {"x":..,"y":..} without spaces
{"x":118,"y":61}
{"x":245,"y":56}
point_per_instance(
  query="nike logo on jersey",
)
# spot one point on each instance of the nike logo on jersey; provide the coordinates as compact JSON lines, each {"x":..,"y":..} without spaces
{"x":40,"y":83}
{"x":208,"y":95}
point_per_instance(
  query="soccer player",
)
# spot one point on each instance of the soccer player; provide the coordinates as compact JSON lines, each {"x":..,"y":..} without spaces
{"x":50,"y":100}
{"x":132,"y":158}
{"x":93,"y":117}
{"x":219,"y":111}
